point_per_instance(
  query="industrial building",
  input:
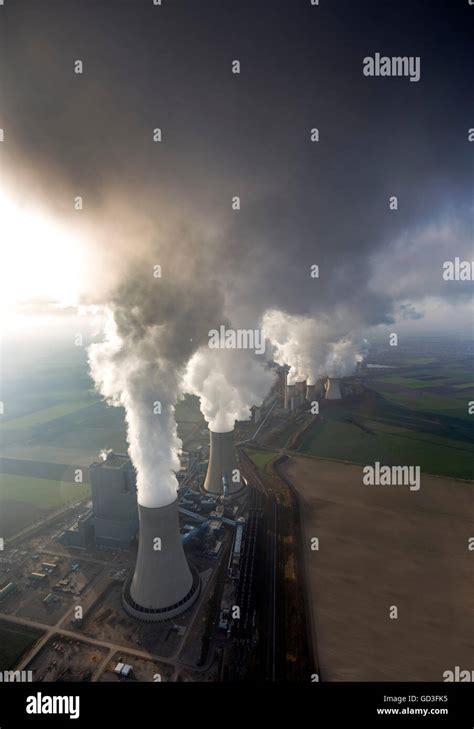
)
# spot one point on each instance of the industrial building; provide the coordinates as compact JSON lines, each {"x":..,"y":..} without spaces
{"x":36,"y":577}
{"x":49,"y":566}
{"x":114,"y":500}
{"x":223,"y":476}
{"x":80,"y":533}
{"x":123,"y":669}
{"x":7,"y":590}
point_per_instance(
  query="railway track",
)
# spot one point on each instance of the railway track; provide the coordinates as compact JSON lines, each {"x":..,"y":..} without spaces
{"x":265,"y":505}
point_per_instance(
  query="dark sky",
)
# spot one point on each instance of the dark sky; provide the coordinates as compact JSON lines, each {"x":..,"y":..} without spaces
{"x":248,"y":135}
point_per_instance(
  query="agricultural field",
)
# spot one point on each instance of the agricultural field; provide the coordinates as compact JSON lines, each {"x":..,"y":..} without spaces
{"x":260,"y":457}
{"x":15,"y":641}
{"x":412,"y":415}
{"x":24,"y":500}
{"x":382,"y":546}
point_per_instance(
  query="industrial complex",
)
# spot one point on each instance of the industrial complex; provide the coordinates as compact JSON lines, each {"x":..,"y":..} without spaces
{"x":211,"y":586}
{"x":182,"y":581}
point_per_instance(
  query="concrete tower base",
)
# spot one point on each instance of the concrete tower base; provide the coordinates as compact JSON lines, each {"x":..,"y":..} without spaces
{"x":155,"y":616}
{"x":162,"y":585}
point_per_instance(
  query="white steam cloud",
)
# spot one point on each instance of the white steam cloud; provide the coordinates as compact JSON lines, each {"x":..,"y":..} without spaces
{"x":137,"y":379}
{"x":151,"y":328}
{"x":228,"y":383}
{"x":312,"y":348}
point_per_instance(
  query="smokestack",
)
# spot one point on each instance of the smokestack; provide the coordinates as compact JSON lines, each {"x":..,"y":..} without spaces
{"x":222,"y":465}
{"x":333,"y":389}
{"x":163,"y":585}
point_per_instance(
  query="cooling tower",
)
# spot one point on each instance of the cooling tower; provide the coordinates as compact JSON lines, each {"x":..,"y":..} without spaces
{"x":290,"y":397}
{"x":301,"y":387}
{"x":333,"y":389}
{"x":222,"y":465}
{"x":162,"y":585}
{"x":310,"y":392}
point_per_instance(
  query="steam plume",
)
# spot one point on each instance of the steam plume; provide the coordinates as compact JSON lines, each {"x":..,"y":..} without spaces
{"x":228,"y":383}
{"x":151,"y":330}
{"x":312,"y":347}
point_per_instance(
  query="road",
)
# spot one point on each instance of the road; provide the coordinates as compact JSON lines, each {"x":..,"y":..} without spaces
{"x":57,"y":629}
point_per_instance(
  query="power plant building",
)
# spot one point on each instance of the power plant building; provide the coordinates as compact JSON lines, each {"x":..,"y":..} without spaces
{"x":7,"y":590}
{"x":80,"y":533}
{"x":114,"y":500}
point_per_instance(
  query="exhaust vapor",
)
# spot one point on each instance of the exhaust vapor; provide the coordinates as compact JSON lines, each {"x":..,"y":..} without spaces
{"x":312,"y":347}
{"x":228,"y":383}
{"x":151,"y":330}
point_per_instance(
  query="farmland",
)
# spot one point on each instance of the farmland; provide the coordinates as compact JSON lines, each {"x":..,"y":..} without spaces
{"x":260,"y":457}
{"x":15,"y":640}
{"x":418,"y":415}
{"x":382,"y":546}
{"x":24,"y":499}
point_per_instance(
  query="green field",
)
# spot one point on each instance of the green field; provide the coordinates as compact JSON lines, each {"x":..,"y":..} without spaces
{"x":24,"y":500}
{"x":432,"y":404}
{"x":15,"y":640}
{"x":260,"y":457}
{"x":46,"y":415}
{"x":418,"y":416}
{"x":40,"y":491}
{"x":412,"y":382}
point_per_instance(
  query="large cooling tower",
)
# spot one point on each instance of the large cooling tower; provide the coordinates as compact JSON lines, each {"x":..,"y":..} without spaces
{"x":310,"y":392}
{"x":301,"y":388}
{"x":162,"y":585}
{"x":222,"y":465}
{"x":290,"y":397}
{"x":333,"y":389}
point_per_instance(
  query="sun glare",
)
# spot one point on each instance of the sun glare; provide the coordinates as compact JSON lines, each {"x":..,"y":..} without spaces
{"x":39,"y":260}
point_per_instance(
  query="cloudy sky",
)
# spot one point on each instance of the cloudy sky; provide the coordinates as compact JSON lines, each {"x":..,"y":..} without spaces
{"x":246,"y":135}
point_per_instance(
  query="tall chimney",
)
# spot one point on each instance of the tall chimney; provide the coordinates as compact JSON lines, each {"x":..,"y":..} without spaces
{"x":333,"y":389}
{"x":222,"y":467}
{"x":163,"y":585}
